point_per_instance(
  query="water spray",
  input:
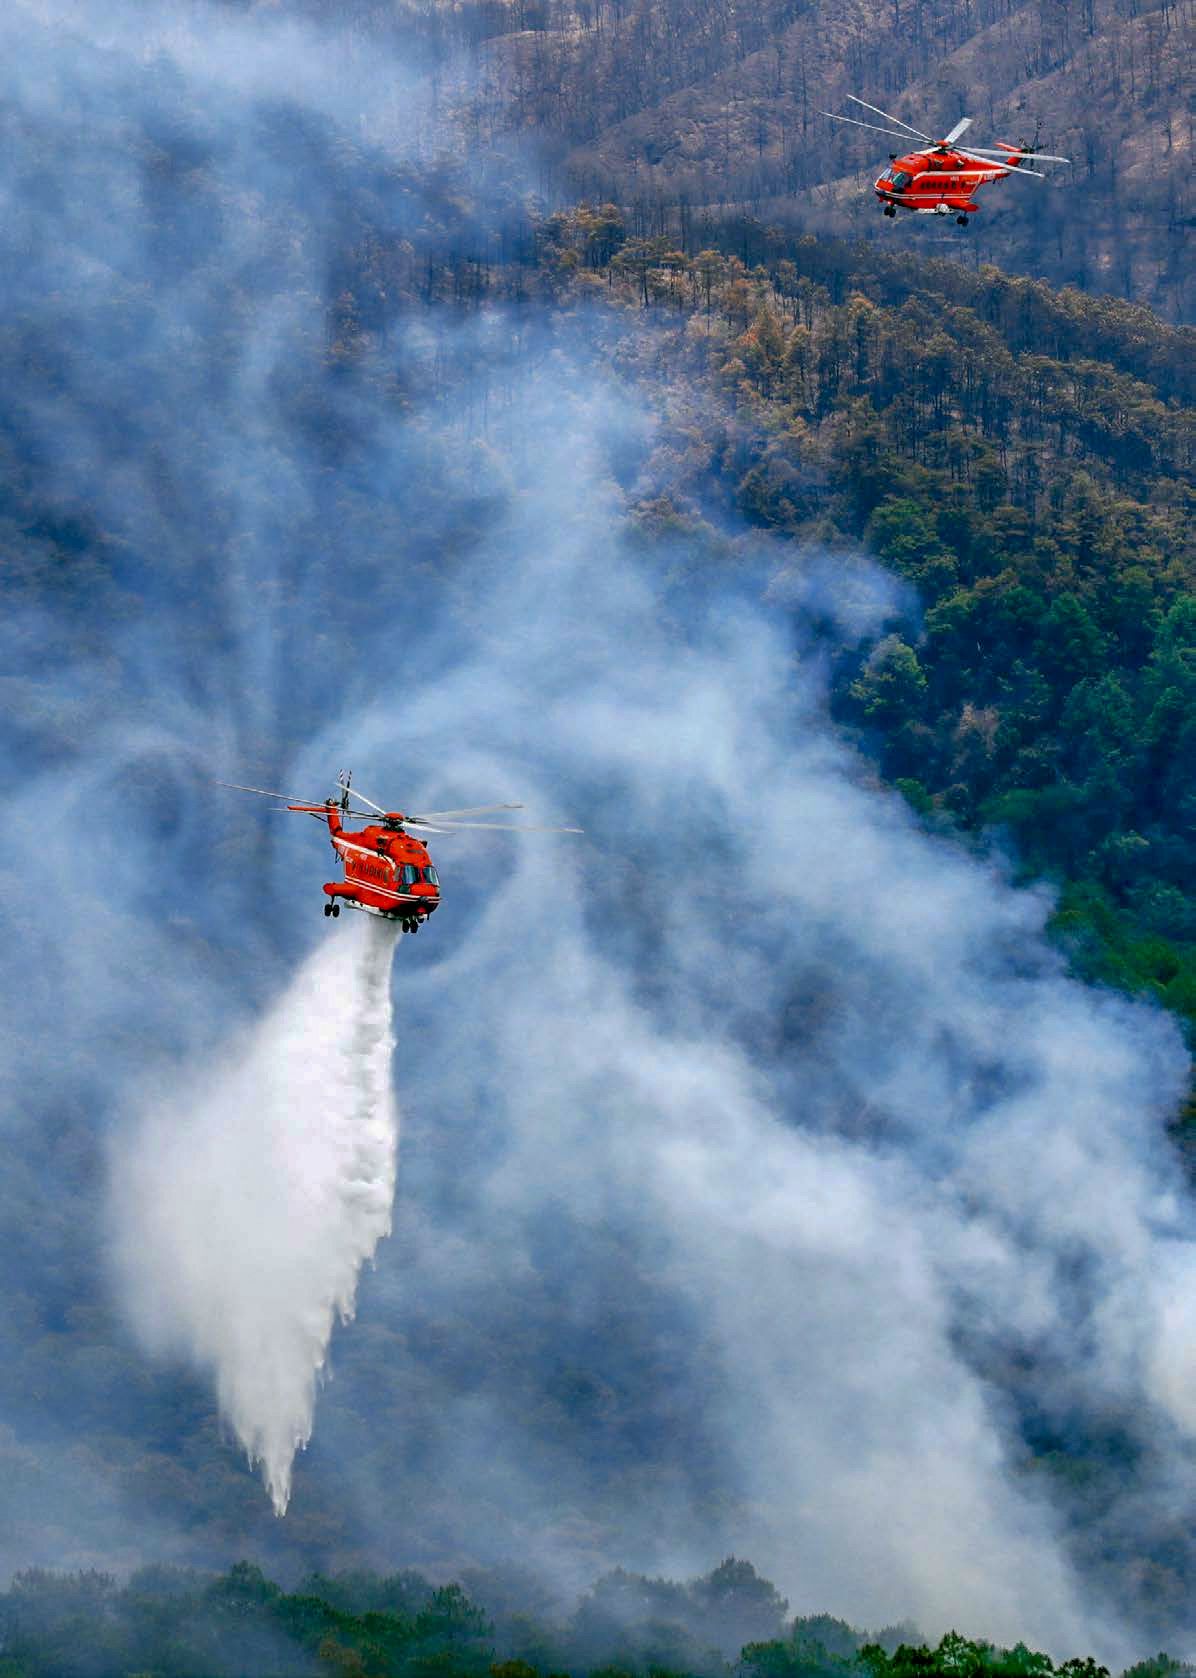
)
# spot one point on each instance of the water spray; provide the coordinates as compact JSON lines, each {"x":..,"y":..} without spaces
{"x":244,"y":1206}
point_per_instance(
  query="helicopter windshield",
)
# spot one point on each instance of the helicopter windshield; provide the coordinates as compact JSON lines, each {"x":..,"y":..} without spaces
{"x":897,"y":179}
{"x":412,"y":872}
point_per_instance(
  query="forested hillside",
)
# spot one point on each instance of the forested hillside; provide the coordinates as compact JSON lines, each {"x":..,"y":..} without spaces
{"x":682,"y":111}
{"x":1024,"y":457}
{"x":674,"y":108}
{"x":1027,"y":461}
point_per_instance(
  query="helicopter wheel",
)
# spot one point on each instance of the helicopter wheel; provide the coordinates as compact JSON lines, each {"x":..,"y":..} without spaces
{"x":961,"y":221}
{"x":327,"y":909}
{"x":890,"y":209}
{"x":336,"y":909}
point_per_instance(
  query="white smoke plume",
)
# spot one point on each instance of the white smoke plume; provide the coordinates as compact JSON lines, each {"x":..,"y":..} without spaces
{"x":841,"y":1099}
{"x":245,"y":1204}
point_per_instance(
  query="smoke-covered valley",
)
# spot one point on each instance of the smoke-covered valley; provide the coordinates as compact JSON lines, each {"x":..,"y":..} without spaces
{"x":766,"y":1187}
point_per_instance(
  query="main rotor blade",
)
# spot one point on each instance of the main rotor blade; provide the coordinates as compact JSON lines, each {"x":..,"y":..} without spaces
{"x":450,"y":815}
{"x":889,"y":117}
{"x":353,"y":793}
{"x":1011,"y":168}
{"x":287,"y":797}
{"x":508,"y":827}
{"x":961,"y":127}
{"x":856,"y":123}
{"x":1008,"y":156}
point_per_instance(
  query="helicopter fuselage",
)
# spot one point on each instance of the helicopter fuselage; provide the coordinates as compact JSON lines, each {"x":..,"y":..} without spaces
{"x":941,"y":177}
{"x":387,"y":872}
{"x":937,"y":181}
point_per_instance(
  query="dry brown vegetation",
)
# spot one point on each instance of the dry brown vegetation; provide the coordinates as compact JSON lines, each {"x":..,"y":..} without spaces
{"x":672,"y":106}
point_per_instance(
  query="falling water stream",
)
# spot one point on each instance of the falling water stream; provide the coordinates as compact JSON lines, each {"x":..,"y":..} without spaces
{"x":246,"y":1202}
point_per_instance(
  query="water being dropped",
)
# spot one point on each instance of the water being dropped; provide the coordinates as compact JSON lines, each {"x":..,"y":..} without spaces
{"x":244,"y":1203}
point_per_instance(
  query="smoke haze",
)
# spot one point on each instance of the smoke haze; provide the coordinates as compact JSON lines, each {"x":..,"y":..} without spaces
{"x":767,"y":1186}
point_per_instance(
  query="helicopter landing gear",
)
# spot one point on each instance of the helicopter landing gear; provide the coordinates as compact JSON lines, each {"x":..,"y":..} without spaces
{"x":961,"y":221}
{"x":336,"y":909}
{"x":327,"y":910}
{"x":890,"y":209}
{"x":332,"y":909}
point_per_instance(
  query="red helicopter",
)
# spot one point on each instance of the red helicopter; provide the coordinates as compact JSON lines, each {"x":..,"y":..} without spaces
{"x":941,"y":178}
{"x":387,"y":872}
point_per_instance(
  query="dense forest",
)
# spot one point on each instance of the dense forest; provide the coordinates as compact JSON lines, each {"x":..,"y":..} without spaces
{"x":179,"y":1624}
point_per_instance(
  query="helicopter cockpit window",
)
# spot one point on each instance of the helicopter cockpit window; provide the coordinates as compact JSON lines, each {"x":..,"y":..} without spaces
{"x":900,"y":179}
{"x":410,"y":874}
{"x":431,"y":876}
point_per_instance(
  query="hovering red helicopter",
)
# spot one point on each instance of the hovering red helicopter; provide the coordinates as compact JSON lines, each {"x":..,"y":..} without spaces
{"x":387,"y":872}
{"x":941,"y":178}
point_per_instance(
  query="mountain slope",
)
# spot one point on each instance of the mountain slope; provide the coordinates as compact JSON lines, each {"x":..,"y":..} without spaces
{"x":669,"y":101}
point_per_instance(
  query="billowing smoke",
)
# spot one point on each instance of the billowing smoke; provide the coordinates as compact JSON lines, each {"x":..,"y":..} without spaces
{"x":245,"y":1202}
{"x":770,"y":1091}
{"x":768,"y":1187}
